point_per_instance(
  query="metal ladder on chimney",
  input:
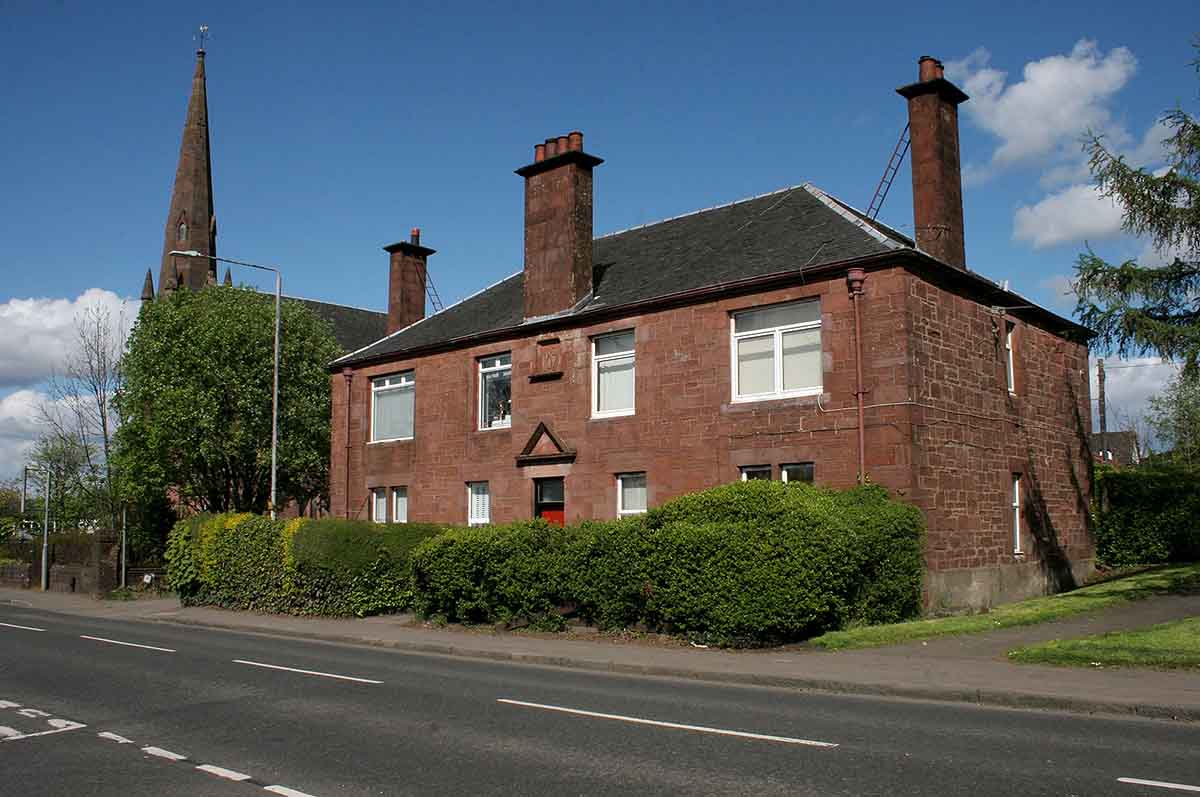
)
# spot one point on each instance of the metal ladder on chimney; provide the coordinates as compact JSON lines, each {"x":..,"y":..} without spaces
{"x":889,"y":174}
{"x":435,"y":301}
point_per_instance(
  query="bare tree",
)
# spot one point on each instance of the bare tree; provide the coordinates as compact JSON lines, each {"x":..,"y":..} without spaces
{"x":79,"y":414}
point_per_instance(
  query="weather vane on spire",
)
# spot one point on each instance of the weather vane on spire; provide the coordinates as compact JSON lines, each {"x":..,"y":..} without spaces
{"x":202,"y":36}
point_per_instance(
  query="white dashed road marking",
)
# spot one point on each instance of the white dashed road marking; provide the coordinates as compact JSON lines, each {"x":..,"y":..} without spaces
{"x":307,"y":672}
{"x":161,"y":753}
{"x":58,"y":726}
{"x":22,"y":627}
{"x":285,"y":791}
{"x":1161,"y":784}
{"x":221,"y":772}
{"x":114,"y":738}
{"x":677,"y":726}
{"x":126,"y":644}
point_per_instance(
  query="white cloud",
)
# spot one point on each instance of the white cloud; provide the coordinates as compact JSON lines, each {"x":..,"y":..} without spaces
{"x":19,"y":428}
{"x":1076,"y":213}
{"x":1044,"y":114}
{"x":1060,"y":290}
{"x":36,"y":333}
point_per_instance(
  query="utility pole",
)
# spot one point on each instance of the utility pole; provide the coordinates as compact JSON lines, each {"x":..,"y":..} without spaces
{"x":45,"y":520}
{"x":1103,"y":413}
{"x":124,"y":544}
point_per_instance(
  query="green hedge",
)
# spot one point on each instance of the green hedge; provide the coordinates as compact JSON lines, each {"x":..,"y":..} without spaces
{"x":328,"y":567}
{"x":744,"y":564}
{"x":1148,"y":515}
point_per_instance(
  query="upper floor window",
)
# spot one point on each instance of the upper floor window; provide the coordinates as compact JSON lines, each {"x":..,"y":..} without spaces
{"x":777,"y":351}
{"x":392,"y":407}
{"x":495,"y":391}
{"x":612,"y":374}
{"x":1009,"y":365}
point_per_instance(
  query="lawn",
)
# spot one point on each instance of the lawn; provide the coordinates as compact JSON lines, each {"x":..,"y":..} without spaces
{"x":1158,"y":581}
{"x":1173,"y":645}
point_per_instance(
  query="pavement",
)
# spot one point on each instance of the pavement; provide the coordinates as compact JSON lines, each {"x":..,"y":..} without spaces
{"x":968,"y":668}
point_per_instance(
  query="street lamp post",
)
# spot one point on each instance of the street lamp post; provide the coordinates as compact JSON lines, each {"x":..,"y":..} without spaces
{"x":45,"y":520}
{"x":275,"y":387}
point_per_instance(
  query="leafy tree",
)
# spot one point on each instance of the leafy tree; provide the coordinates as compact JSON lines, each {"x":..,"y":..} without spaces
{"x":1175,"y":416}
{"x":1139,"y":309}
{"x":195,"y":406}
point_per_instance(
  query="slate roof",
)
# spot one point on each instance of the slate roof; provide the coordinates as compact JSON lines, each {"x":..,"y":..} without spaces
{"x":1122,"y":446}
{"x":786,"y":230}
{"x":353,"y":327}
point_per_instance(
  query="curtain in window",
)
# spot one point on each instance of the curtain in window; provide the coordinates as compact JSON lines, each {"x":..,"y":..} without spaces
{"x":756,"y":365}
{"x":400,"y":505}
{"x":801,"y":359}
{"x":393,"y":413}
{"x":615,"y":388}
{"x":379,"y":505}
{"x":480,"y":503}
{"x":497,"y":401}
{"x":633,"y":492}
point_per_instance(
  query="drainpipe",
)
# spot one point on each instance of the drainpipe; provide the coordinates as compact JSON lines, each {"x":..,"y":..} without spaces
{"x":348,"y":374}
{"x":855,"y":278}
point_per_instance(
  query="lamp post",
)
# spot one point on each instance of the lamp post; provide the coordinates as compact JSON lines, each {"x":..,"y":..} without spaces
{"x":45,"y":519}
{"x":275,"y":389}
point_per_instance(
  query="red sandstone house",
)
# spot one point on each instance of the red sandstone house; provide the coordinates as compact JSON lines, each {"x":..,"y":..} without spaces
{"x":787,"y":336}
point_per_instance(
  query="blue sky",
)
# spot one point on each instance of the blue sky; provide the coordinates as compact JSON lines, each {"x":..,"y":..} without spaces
{"x":337,"y":127}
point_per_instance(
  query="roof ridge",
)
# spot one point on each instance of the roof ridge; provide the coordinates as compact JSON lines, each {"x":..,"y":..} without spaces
{"x":698,"y":212}
{"x":322,"y":301}
{"x":423,"y":319}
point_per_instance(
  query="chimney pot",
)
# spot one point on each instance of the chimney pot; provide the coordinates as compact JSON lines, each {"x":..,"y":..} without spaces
{"x":551,"y":147}
{"x":575,"y":140}
{"x":539,"y":153}
{"x":415,"y":236}
{"x":927,"y":68}
{"x":563,"y":144}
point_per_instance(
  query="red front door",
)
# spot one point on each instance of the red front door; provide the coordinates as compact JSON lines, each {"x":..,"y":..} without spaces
{"x":549,"y":501}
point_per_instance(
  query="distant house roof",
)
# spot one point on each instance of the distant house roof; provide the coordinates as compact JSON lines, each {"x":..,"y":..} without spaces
{"x":789,"y":230}
{"x":1122,"y":447}
{"x":353,"y":327}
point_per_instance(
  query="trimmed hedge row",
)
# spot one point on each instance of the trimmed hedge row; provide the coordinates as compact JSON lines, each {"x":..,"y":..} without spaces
{"x":1148,"y":515}
{"x":301,"y":566}
{"x":749,"y":563}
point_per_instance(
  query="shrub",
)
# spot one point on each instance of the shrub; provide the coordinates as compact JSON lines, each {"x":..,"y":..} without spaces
{"x":744,"y":564}
{"x":1148,"y":515}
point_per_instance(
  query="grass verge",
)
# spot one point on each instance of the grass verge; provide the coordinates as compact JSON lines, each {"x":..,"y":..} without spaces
{"x":1174,"y":645}
{"x":1169,"y":580}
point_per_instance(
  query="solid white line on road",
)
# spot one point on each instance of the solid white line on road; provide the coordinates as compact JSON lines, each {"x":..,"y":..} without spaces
{"x":1158,"y":783}
{"x":22,"y":627}
{"x":126,"y":644}
{"x":307,"y":672}
{"x":114,"y":738}
{"x":161,"y":753}
{"x":285,"y":791}
{"x":221,"y":772}
{"x":678,"y":726}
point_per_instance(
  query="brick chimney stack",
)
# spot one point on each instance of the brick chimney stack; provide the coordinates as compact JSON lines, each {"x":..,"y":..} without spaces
{"x":558,"y":225}
{"x":406,"y":281}
{"x":937,"y":179}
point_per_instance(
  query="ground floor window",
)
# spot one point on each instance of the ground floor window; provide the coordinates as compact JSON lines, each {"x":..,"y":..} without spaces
{"x":797,"y":472}
{"x":550,"y":500}
{"x":752,"y":472}
{"x":1016,"y":512}
{"x":631,"y":493}
{"x":399,"y":504}
{"x":479,"y":504}
{"x":379,"y":505}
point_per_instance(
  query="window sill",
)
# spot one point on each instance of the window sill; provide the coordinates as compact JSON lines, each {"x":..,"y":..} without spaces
{"x":495,"y":428}
{"x":809,"y":393}
{"x":390,"y":440}
{"x":603,"y":416}
{"x":630,"y":512}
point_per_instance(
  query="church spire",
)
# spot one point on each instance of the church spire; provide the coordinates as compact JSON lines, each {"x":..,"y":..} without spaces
{"x":191,"y":223}
{"x":148,"y":287}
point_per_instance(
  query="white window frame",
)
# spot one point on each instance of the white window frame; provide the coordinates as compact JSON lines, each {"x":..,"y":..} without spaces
{"x":376,"y":494}
{"x":397,"y":494}
{"x":784,"y":466}
{"x":777,"y":334}
{"x":406,"y":381}
{"x":602,"y":358}
{"x":745,"y":470}
{"x":1009,"y":359}
{"x":483,"y":395}
{"x":473,"y":520}
{"x":1016,"y":513}
{"x":621,"y":510}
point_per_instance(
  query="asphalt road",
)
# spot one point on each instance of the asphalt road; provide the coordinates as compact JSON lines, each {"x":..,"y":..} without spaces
{"x":420,"y":724}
